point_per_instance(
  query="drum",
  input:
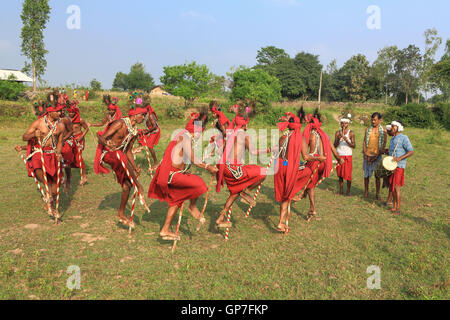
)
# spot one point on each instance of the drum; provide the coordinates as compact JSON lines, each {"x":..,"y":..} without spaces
{"x":389,"y":163}
{"x":381,"y":171}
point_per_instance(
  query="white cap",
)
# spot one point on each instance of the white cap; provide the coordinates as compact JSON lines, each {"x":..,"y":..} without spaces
{"x":398,"y":124}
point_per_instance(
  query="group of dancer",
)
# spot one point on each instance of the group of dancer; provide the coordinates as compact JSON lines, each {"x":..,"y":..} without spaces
{"x":302,"y":160}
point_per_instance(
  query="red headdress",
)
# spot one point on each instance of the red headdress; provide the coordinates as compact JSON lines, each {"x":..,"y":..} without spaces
{"x":223,"y":120}
{"x":238,"y":122}
{"x":134,"y":111}
{"x":316,"y":125}
{"x":190,"y":126}
{"x":73,"y":108}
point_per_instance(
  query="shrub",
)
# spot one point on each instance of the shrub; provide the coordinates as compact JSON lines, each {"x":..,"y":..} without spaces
{"x":10,"y":90}
{"x":441,"y":112}
{"x":175,"y":112}
{"x":411,"y":115}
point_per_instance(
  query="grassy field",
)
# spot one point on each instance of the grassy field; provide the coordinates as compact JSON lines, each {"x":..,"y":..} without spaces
{"x":324,"y":259}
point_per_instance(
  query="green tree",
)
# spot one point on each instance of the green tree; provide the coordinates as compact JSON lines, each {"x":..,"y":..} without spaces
{"x":291,"y":81}
{"x":406,"y":71}
{"x":136,"y":79}
{"x":440,"y":74}
{"x":332,"y":84}
{"x":216,"y":86}
{"x":383,"y":68}
{"x":139,"y":79}
{"x":354,"y":74}
{"x":119,"y":82}
{"x":268,"y":56}
{"x":432,"y":43}
{"x":255,"y":85}
{"x":35,"y":15}
{"x":189,"y":81}
{"x":95,"y":85}
{"x":308,"y":68}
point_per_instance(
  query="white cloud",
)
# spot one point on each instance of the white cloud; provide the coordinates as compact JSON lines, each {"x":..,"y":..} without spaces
{"x":287,"y":3}
{"x":192,"y":14}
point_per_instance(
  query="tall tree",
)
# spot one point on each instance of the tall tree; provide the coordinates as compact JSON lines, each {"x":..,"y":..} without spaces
{"x":383,"y":68}
{"x":432,"y":43}
{"x":292,"y":85}
{"x":309,"y":68}
{"x":440,"y":74}
{"x":354,"y":73}
{"x":406,"y":67}
{"x":136,"y":79}
{"x":268,"y":56}
{"x":189,"y":81}
{"x":35,"y":15}
{"x":255,"y":85}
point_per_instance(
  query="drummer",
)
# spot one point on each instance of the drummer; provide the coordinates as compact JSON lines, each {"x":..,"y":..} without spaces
{"x":400,"y":148}
{"x":344,"y":142}
{"x":386,"y":178}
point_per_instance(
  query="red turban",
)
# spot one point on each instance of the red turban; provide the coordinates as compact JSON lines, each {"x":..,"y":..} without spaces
{"x":136,"y":111}
{"x":223,"y":120}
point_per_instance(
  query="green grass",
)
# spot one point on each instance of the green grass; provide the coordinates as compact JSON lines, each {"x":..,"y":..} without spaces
{"x":324,"y":259}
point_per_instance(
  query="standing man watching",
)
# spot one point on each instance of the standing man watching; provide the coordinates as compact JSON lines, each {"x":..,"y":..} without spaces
{"x":373,"y":146}
{"x":400,"y":148}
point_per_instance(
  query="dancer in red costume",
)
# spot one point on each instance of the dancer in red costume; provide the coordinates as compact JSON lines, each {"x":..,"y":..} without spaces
{"x":291,"y":175}
{"x":46,"y":133}
{"x":319,"y":144}
{"x":118,"y":140}
{"x":78,"y":139}
{"x":150,"y":137}
{"x":240,"y":178}
{"x":172,"y":183}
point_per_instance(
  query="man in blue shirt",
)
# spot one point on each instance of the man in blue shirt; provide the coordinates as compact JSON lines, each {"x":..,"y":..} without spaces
{"x":400,"y":148}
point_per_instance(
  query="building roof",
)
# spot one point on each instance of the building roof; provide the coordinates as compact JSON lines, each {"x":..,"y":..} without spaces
{"x":19,"y":76}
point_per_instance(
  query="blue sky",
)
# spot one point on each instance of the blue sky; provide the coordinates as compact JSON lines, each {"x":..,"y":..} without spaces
{"x":218,"y":33}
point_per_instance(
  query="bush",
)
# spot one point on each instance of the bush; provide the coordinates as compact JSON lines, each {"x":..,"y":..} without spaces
{"x":411,"y":115}
{"x":10,"y":90}
{"x":441,"y":112}
{"x":175,"y":112}
{"x":270,"y":116}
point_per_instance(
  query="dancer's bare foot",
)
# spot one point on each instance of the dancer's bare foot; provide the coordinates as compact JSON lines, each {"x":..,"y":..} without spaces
{"x":281,"y":227}
{"x":221,"y":223}
{"x":170,"y":236}
{"x":83,"y":181}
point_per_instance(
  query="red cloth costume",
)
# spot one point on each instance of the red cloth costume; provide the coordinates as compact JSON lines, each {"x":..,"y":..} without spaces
{"x":98,"y":168}
{"x":345,"y":171}
{"x":183,"y":186}
{"x":251,"y":174}
{"x":324,"y":168}
{"x":72,"y":149}
{"x":397,"y":178}
{"x":222,"y":118}
{"x":150,"y":140}
{"x":289,"y":180}
{"x":49,"y":162}
{"x":110,"y":157}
